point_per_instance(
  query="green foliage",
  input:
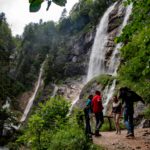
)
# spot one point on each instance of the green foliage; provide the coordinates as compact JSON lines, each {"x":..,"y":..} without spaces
{"x":38,"y":40}
{"x":82,"y":14}
{"x":71,"y":137}
{"x":46,"y":121}
{"x":35,"y":5}
{"x":147,"y":112}
{"x":9,"y":87}
{"x":50,"y":128}
{"x":104,"y":79}
{"x":106,"y":126}
{"x":134,"y":71}
{"x":7,"y":119}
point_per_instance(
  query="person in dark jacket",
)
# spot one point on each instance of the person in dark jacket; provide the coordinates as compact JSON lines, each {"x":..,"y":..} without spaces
{"x":98,"y":111}
{"x":116,"y":112}
{"x":87,"y":112}
{"x":128,"y":98}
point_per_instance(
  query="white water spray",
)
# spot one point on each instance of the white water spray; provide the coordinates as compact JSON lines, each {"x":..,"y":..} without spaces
{"x":115,"y":59}
{"x":108,"y":93}
{"x":30,"y":102}
{"x":7,"y":104}
{"x":96,"y":64}
{"x":55,"y":90}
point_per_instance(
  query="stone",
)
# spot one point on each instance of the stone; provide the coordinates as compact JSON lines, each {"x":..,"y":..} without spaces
{"x":145,"y":123}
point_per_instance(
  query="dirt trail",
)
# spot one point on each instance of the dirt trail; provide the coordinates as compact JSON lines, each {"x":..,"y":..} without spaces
{"x":113,"y":141}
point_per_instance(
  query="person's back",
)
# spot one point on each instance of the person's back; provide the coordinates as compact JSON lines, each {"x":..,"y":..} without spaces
{"x":128,"y":98}
{"x":97,"y":103}
{"x":97,"y":110}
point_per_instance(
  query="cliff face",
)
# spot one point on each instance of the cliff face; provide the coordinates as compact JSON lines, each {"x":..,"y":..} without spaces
{"x":116,"y":18}
{"x":79,"y":48}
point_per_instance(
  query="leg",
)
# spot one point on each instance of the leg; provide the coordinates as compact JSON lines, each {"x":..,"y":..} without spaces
{"x":126,"y":122}
{"x":97,"y":120}
{"x":88,"y":126}
{"x":118,"y":123}
{"x":131,"y":126}
{"x":115,"y":122}
{"x":97,"y":117}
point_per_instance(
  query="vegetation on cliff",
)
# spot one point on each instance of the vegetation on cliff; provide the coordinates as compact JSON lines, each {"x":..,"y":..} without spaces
{"x":134,"y":71}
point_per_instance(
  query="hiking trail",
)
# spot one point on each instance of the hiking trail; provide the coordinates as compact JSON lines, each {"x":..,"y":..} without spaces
{"x":113,"y":141}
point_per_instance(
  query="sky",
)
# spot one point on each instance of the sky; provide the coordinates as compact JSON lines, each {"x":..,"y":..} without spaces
{"x":18,"y":15}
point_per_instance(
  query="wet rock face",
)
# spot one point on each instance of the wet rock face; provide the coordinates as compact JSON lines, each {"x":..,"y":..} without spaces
{"x":79,"y":55}
{"x":115,"y":20}
{"x":80,"y":46}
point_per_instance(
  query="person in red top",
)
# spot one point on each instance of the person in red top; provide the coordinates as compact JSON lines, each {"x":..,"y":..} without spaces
{"x":98,"y":111}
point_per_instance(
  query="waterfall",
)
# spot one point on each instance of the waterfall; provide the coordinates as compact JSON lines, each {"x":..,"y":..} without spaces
{"x":97,"y":57}
{"x":108,"y":93}
{"x":55,"y":90}
{"x":72,"y":104}
{"x":115,"y":60}
{"x":30,"y":102}
{"x":96,"y":63}
{"x":7,"y":104}
{"x":98,"y":53}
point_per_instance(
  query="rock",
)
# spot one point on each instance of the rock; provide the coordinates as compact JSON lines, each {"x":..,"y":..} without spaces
{"x":145,"y":123}
{"x":138,"y":109}
{"x":138,"y":147}
{"x":74,"y":59}
{"x":78,"y":57}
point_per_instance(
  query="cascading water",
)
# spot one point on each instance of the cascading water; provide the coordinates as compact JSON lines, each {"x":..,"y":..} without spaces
{"x":108,"y":92}
{"x":97,"y":57}
{"x":55,"y":90}
{"x":96,"y":64}
{"x":7,"y":104}
{"x":115,"y":60}
{"x":72,"y":105}
{"x":29,"y":105}
{"x":97,"y":54}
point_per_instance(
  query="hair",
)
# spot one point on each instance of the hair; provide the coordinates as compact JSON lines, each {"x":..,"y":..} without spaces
{"x":98,"y":93}
{"x":115,"y":99}
{"x":90,"y":97}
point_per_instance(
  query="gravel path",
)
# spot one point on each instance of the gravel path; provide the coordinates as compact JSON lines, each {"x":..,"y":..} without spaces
{"x":112,"y":141}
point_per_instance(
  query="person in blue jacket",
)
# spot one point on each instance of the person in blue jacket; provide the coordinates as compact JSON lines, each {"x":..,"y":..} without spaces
{"x":87,"y":112}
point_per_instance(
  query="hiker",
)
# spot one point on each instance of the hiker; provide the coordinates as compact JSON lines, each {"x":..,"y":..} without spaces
{"x":98,"y":111}
{"x":128,"y":98}
{"x":116,"y":112}
{"x":87,"y":112}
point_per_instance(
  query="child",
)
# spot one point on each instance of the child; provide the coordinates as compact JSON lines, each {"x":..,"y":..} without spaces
{"x":116,"y":111}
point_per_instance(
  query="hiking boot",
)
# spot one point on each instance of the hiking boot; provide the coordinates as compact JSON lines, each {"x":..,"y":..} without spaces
{"x":130,"y":135}
{"x":92,"y":133}
{"x":97,"y":134}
